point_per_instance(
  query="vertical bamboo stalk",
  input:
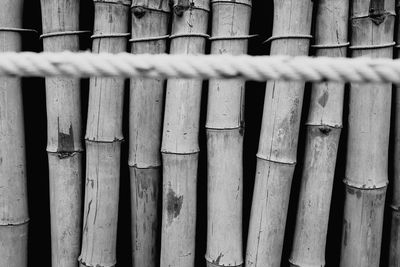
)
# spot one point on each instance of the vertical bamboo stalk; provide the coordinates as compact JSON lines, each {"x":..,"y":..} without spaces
{"x":150,"y":23}
{"x":225,"y":127}
{"x":394,"y":251}
{"x":60,"y":21}
{"x":369,"y":122}
{"x":103,"y":140}
{"x":13,"y":192}
{"x":276,"y":157}
{"x":180,"y":146}
{"x":323,"y":132}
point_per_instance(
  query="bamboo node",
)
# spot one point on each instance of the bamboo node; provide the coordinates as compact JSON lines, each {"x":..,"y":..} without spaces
{"x":109,"y":35}
{"x":235,"y":2}
{"x":360,"y":47}
{"x":119,"y":2}
{"x":9,"y":29}
{"x":365,"y":186}
{"x":323,"y":46}
{"x":189,"y":35}
{"x":243,"y":37}
{"x":151,"y":38}
{"x":62,"y":33}
{"x":289,"y":36}
{"x":139,"y":11}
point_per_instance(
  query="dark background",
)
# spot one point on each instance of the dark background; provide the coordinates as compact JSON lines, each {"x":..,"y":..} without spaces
{"x":38,"y":188}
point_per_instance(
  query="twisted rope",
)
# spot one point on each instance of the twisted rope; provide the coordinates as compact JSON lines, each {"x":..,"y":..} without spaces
{"x":258,"y":68}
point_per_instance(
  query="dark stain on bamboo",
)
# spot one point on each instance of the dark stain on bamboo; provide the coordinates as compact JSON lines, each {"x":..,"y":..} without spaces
{"x":65,"y":140}
{"x":181,"y":6}
{"x":377,"y":11}
{"x":174,"y":205}
{"x":322,"y":100}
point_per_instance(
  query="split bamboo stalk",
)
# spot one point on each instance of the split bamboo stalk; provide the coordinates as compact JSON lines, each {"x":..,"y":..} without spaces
{"x":60,"y":20}
{"x":225,"y":129}
{"x":103,"y":140}
{"x":368,"y":139}
{"x":276,"y":157}
{"x":180,"y":146}
{"x":394,"y":251}
{"x":150,"y":25}
{"x":323,"y":133}
{"x":13,"y":189}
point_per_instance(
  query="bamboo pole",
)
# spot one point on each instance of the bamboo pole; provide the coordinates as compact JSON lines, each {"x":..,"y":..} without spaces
{"x":323,"y":133}
{"x":13,"y":192}
{"x":394,"y":250}
{"x":60,"y":20}
{"x":180,"y":146}
{"x":150,"y":25}
{"x":369,"y":122}
{"x":277,"y":149}
{"x":225,"y":128}
{"x":103,"y":140}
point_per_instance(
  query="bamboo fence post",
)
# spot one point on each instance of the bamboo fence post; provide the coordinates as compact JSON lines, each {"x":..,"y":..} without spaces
{"x":276,"y":157}
{"x":103,"y":140}
{"x":150,"y":25}
{"x":323,"y":133}
{"x":394,"y":251}
{"x":60,"y":20}
{"x":180,"y":146}
{"x":225,"y":129}
{"x":13,"y":192}
{"x":369,"y":123}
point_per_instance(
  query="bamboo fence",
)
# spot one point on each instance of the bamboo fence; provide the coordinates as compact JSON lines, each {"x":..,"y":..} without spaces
{"x":186,"y":155}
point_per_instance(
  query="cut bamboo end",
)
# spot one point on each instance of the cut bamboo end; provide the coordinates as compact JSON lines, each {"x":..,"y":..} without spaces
{"x":362,"y":228}
{"x":144,"y":198}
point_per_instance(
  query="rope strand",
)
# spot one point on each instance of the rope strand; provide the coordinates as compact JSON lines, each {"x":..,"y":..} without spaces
{"x":258,"y":68}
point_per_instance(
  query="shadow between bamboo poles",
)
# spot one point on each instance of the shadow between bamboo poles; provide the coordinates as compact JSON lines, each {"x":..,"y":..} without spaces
{"x":394,"y":249}
{"x":367,"y":154}
{"x":180,"y":146}
{"x":323,"y":133}
{"x":225,"y":129}
{"x":150,"y":28}
{"x":276,"y":155}
{"x":64,"y":144}
{"x":13,"y":188}
{"x":103,"y":140}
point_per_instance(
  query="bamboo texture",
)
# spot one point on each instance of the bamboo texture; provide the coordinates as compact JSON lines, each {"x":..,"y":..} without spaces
{"x":323,"y":133}
{"x":180,"y":146}
{"x":64,"y":145}
{"x":103,"y":140}
{"x":150,"y":19}
{"x":225,"y":129}
{"x":276,"y":157}
{"x":367,"y":155}
{"x":13,"y":189}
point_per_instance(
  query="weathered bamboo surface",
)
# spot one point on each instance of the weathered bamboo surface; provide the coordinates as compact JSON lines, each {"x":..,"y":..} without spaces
{"x":225,"y":129}
{"x":64,"y":144}
{"x":103,"y":140}
{"x":13,"y":189}
{"x":367,"y":152}
{"x":150,"y":28}
{"x":180,"y":146}
{"x":323,"y":132}
{"x":276,"y":157}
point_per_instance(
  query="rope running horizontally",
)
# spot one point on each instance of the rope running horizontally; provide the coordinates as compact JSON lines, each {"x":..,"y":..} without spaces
{"x":258,"y":68}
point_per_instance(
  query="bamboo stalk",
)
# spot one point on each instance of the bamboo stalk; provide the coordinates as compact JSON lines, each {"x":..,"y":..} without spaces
{"x":64,"y":144}
{"x":225,"y":127}
{"x":323,"y":133}
{"x":103,"y":140}
{"x":150,"y":19}
{"x":276,"y":155}
{"x":180,"y":146}
{"x":394,"y":250}
{"x":369,"y":123}
{"x":13,"y":192}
